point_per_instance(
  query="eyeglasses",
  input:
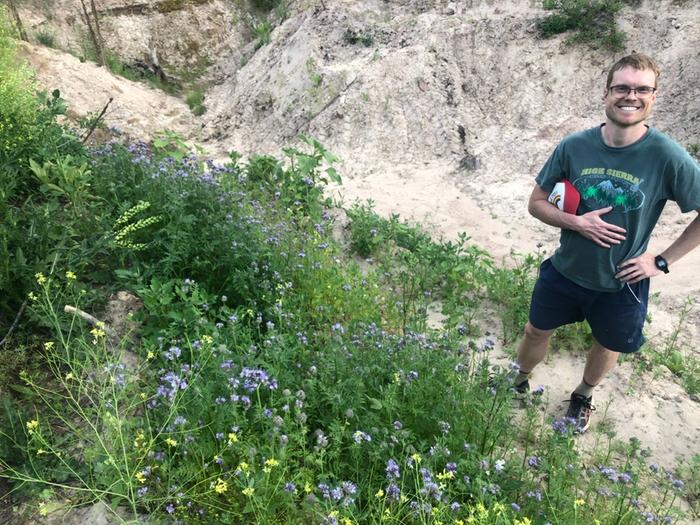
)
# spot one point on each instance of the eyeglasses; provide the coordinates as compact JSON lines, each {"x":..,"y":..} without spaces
{"x":622,"y":90}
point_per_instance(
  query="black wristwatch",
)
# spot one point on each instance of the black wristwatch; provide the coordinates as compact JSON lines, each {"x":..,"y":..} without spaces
{"x":661,"y":263}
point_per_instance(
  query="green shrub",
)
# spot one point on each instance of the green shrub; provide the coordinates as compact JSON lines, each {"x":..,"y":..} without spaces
{"x":592,"y":22}
{"x":46,"y":38}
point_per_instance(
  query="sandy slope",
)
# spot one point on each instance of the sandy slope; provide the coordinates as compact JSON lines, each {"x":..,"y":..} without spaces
{"x":391,"y":111}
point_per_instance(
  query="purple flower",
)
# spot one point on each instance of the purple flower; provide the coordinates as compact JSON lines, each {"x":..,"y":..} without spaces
{"x":393,"y":492}
{"x":392,"y":469}
{"x":170,"y":508}
{"x":349,"y":487}
{"x":173,"y":353}
{"x":290,"y":487}
{"x":536,"y":494}
{"x":515,"y":507}
{"x":533,"y":461}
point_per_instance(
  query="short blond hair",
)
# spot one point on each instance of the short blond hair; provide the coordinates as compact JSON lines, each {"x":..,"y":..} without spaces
{"x":636,"y":61}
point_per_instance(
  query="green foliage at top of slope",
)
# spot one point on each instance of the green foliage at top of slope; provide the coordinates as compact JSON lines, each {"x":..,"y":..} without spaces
{"x":590,"y":22}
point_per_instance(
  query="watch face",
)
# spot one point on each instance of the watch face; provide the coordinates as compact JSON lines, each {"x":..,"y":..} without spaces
{"x":661,"y":264}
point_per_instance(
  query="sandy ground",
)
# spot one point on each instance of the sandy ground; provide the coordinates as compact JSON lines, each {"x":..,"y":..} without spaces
{"x":391,"y":113}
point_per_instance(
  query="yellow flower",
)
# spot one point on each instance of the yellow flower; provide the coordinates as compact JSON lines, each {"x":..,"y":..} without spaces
{"x":207,"y":339}
{"x":49,"y":345}
{"x":69,"y":376}
{"x":221,"y":486}
{"x":243,"y":466}
{"x":140,"y":477}
{"x":143,"y":396}
{"x":32,"y":296}
{"x":70,"y":276}
{"x":347,"y":521}
{"x":40,"y":278}
{"x":524,"y":521}
{"x":97,"y":334}
{"x":171,"y":442}
{"x":32,"y":425}
{"x":379,"y":494}
{"x":579,"y":502}
{"x":150,"y":355}
{"x":42,"y":509}
{"x":308,"y":488}
{"x":459,"y":522}
{"x":416,"y":457}
{"x":272,"y":462}
{"x":445,"y":475}
{"x":40,"y":452}
{"x":248,"y":491}
{"x":232,"y":438}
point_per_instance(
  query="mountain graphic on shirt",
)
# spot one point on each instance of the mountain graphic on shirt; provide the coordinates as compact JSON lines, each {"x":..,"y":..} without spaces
{"x":599,"y":191}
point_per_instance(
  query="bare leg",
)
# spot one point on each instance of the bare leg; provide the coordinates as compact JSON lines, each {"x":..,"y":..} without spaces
{"x":599,"y":362}
{"x":533,"y":347}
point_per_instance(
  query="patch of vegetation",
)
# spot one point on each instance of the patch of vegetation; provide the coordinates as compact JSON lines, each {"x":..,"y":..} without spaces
{"x":266,"y":5}
{"x":354,"y":36}
{"x":681,"y":362}
{"x":46,"y":38}
{"x":262,"y":31}
{"x":694,"y":150}
{"x":195,"y":101}
{"x":591,"y":22}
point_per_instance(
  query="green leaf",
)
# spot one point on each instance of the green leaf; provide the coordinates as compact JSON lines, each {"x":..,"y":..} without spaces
{"x":375,"y":404}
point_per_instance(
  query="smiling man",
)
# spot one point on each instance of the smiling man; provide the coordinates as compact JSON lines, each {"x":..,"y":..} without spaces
{"x":621,"y":174}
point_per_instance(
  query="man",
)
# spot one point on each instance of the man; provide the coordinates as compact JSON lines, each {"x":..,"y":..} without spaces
{"x":624,"y":172}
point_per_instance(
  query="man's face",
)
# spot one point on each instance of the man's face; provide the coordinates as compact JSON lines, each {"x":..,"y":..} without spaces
{"x":630,"y":109}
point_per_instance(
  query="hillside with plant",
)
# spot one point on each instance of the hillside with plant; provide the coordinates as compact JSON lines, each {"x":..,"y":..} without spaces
{"x":280,"y":361}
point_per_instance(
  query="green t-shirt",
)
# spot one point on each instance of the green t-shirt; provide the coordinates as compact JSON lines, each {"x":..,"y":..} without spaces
{"x":636,"y":180}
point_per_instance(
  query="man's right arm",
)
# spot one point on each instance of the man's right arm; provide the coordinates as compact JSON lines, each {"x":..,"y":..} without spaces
{"x":590,"y":225}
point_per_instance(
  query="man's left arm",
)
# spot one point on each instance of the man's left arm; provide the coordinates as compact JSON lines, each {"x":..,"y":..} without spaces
{"x":643,"y":266}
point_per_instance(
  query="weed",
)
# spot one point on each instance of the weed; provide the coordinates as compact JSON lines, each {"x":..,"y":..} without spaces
{"x":681,"y":363}
{"x":314,"y":76}
{"x":195,"y":101}
{"x":46,"y":38}
{"x":262,"y":32}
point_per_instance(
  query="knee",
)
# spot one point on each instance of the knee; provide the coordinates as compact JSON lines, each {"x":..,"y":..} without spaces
{"x":533,"y":333}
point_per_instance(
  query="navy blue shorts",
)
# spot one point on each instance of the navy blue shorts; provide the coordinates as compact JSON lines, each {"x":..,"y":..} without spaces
{"x":616,"y":318}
